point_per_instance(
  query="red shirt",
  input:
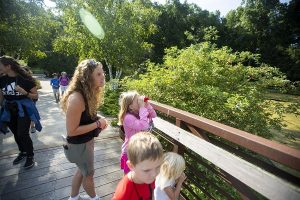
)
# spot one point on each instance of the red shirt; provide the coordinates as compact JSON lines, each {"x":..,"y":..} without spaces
{"x":127,"y":189}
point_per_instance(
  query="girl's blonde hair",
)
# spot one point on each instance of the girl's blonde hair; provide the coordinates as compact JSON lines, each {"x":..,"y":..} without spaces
{"x":126,"y":99}
{"x":172,"y":167}
{"x":83,"y":82}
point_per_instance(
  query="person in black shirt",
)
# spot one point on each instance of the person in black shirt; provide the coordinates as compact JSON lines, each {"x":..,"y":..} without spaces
{"x":18,"y":88}
{"x":80,"y":103}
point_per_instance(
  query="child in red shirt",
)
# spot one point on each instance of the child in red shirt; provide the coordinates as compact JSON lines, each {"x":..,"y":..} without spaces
{"x":145,"y":155}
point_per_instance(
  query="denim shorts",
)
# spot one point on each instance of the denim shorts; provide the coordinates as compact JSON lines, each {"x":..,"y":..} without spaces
{"x":82,"y":155}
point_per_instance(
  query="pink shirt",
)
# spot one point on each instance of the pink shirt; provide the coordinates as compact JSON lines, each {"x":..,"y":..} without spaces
{"x":132,"y":124}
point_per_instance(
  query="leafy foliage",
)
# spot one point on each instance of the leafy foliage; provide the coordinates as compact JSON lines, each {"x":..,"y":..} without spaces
{"x":25,"y":28}
{"x":126,"y":25}
{"x":269,"y":28}
{"x":175,"y":21}
{"x":111,"y":102}
{"x":54,"y":62}
{"x":216,"y":84}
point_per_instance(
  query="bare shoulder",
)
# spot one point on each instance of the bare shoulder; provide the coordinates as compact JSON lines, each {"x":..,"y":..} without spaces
{"x":76,"y":101}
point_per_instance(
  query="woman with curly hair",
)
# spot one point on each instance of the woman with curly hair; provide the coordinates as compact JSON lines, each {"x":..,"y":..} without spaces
{"x":18,"y":89}
{"x":80,"y":103}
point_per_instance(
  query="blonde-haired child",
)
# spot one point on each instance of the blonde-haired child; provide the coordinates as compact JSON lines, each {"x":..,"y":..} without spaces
{"x":145,"y":156}
{"x":171,"y":174}
{"x":135,"y":115}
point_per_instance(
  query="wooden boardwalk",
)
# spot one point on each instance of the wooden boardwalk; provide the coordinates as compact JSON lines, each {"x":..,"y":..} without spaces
{"x":50,"y":178}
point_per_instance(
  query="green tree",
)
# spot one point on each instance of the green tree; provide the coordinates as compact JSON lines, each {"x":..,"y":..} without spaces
{"x":215,"y":83}
{"x":54,"y":62}
{"x":177,"y":20}
{"x":25,"y":28}
{"x":269,"y":28}
{"x":127,"y":24}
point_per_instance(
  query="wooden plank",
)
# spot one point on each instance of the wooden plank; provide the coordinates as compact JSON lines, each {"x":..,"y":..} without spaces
{"x":54,"y":166}
{"x":45,"y":154}
{"x":56,"y":163}
{"x":52,"y":176}
{"x":261,"y":181}
{"x":47,"y":159}
{"x":62,"y":177}
{"x":102,"y":188}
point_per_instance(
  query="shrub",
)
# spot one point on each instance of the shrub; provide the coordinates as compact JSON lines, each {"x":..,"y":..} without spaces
{"x":216,"y":84}
{"x":111,"y":102}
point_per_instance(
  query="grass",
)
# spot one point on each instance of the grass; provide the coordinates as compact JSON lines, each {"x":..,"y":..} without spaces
{"x":283,"y":97}
{"x":289,"y":135}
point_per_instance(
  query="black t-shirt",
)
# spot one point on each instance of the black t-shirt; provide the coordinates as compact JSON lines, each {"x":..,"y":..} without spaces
{"x":8,"y":85}
{"x":80,"y":139}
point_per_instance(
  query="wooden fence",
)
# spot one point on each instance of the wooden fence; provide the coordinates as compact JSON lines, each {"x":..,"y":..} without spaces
{"x":227,"y":163}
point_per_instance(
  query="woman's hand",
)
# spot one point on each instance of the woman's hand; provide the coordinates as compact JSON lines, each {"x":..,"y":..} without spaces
{"x":21,"y":90}
{"x":103,"y":123}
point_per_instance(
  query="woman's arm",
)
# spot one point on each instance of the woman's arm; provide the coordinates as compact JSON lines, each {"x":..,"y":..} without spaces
{"x":33,"y":94}
{"x":75,"y":107}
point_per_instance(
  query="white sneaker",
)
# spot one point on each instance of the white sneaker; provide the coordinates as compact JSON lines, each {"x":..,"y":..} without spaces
{"x":70,"y":198}
{"x":33,"y":130}
{"x":87,"y":197}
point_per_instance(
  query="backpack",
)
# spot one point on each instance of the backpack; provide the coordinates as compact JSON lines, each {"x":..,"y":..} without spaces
{"x":122,"y":132}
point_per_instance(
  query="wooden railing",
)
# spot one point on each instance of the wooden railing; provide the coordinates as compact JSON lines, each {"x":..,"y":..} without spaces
{"x":227,"y":163}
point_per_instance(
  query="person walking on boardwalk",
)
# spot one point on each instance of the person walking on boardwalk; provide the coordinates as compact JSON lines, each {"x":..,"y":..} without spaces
{"x":63,"y":82}
{"x":80,"y":103}
{"x":18,"y":89}
{"x":55,"y":87}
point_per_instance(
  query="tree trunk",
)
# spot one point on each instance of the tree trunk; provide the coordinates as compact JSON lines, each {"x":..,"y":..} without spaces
{"x":113,"y":81}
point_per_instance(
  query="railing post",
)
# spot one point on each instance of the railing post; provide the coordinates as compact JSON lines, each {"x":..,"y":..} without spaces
{"x":175,"y":147}
{"x":178,"y":148}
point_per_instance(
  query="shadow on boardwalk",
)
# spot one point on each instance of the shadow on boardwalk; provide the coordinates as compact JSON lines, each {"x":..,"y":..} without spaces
{"x":51,"y":177}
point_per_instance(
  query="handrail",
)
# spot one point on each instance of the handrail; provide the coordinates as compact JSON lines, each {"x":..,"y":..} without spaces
{"x":254,"y":177}
{"x":270,"y":149}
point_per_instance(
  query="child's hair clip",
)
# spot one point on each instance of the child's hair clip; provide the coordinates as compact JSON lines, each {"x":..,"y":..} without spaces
{"x":146,"y":99}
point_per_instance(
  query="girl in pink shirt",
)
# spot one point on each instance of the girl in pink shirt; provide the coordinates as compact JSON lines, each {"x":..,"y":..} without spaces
{"x":135,"y":115}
